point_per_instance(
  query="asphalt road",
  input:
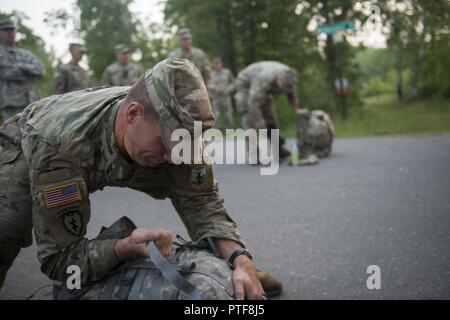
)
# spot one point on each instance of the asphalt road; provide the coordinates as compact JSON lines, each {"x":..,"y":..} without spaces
{"x":375,"y":201}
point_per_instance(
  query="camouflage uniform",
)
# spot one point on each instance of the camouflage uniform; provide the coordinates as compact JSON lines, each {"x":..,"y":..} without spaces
{"x":70,"y":77}
{"x":121,"y":75}
{"x":118,"y":74}
{"x":221,"y":85}
{"x":254,"y":88}
{"x":19,"y":70}
{"x":198,"y":58}
{"x":62,"y":148}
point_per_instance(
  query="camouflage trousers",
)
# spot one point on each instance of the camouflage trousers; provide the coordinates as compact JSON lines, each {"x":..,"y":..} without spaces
{"x":15,"y":205}
{"x":9,"y":112}
{"x":223,"y":109}
{"x":253,"y":117}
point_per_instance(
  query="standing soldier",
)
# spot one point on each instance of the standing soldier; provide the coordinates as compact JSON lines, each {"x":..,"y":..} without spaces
{"x":255,"y":86}
{"x":19,"y":70}
{"x":72,"y":76}
{"x":220,"y":86}
{"x":123,"y":72}
{"x":195,"y":55}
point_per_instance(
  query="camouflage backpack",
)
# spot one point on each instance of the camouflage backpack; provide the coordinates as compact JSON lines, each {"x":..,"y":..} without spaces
{"x":315,"y":133}
{"x":192,"y":272}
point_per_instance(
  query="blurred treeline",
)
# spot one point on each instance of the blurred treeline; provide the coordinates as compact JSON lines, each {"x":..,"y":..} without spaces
{"x":415,"y":64}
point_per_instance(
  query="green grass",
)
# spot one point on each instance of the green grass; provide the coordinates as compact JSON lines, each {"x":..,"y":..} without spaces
{"x":385,"y":115}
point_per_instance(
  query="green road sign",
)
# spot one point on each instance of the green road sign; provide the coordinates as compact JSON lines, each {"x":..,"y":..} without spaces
{"x":332,"y":28}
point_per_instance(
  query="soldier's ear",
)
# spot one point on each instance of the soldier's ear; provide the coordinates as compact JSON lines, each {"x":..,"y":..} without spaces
{"x":134,"y":111}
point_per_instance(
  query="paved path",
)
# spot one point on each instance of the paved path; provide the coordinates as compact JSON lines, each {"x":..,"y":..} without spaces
{"x":375,"y":201}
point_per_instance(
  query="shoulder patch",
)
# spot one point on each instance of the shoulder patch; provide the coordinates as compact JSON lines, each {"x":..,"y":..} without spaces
{"x":198,"y":176}
{"x":61,"y":195}
{"x":73,"y":222}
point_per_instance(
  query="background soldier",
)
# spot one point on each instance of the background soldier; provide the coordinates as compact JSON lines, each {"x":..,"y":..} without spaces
{"x":221,"y":85}
{"x":72,"y":76}
{"x":196,"y":55}
{"x":122,"y":72}
{"x":64,"y":147}
{"x":19,"y":70}
{"x":255,"y":86}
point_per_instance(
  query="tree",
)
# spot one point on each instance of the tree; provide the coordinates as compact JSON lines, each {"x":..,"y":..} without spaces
{"x":103,"y":25}
{"x":418,"y":31}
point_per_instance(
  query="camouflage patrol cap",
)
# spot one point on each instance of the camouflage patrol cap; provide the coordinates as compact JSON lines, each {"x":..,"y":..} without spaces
{"x":7,"y":24}
{"x":176,"y":90}
{"x":184,"y":33}
{"x":77,"y":46}
{"x":122,"y":48}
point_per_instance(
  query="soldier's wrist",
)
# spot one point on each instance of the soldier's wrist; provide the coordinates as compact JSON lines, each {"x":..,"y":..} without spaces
{"x":124,"y":249}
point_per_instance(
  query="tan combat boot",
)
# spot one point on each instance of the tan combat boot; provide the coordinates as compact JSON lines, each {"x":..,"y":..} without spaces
{"x":271,"y":285}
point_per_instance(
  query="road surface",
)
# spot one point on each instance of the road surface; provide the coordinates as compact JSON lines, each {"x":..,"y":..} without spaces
{"x":375,"y":201}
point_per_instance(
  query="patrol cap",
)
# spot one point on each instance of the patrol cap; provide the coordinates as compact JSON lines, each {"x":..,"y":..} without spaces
{"x":176,"y":90}
{"x":7,"y":24}
{"x":184,"y":33}
{"x":122,"y":48}
{"x":77,"y":46}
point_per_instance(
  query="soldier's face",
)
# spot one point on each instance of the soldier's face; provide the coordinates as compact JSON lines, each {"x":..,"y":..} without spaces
{"x":185,"y":43}
{"x":142,"y":140}
{"x":122,"y":57}
{"x":8,"y":35}
{"x":218,"y":66}
{"x":77,"y":55}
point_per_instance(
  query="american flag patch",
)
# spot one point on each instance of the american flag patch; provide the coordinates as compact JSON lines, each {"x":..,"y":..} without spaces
{"x":60,"y":195}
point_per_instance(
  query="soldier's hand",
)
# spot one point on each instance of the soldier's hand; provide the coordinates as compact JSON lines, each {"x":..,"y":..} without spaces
{"x":141,"y":236}
{"x":245,"y":280}
{"x":300,"y":111}
{"x":136,"y":243}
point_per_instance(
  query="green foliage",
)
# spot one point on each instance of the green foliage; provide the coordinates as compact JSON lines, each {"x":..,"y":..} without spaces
{"x":385,"y":115}
{"x":419,"y":37}
{"x":246,"y":31}
{"x":415,"y":63}
{"x":103,"y":25}
{"x":26,"y":39}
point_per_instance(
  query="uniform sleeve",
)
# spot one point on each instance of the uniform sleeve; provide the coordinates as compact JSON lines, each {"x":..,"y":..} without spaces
{"x":257,"y":97}
{"x":31,"y":65}
{"x":61,"y":212}
{"x":9,"y":70}
{"x":60,"y":81}
{"x":231,"y":83}
{"x":293,"y":96}
{"x":195,"y":196}
{"x":206,"y":68}
{"x":106,"y":78}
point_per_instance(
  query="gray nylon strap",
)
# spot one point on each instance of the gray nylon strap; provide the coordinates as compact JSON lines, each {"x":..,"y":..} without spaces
{"x":109,"y":289}
{"x":171,"y":274}
{"x":137,"y":285}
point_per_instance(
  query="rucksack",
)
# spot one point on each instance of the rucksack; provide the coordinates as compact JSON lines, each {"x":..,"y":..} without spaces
{"x":192,"y":271}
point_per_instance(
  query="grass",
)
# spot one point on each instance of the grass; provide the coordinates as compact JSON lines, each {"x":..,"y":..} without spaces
{"x":385,"y":115}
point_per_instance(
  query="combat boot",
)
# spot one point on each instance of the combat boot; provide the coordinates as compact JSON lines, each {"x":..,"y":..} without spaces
{"x":271,"y":285}
{"x":284,"y":153}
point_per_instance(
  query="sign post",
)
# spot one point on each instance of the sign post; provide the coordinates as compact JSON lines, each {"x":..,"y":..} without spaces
{"x":335,"y":30}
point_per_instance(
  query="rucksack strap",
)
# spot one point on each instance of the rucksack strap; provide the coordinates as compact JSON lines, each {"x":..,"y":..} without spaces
{"x":172,"y":275}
